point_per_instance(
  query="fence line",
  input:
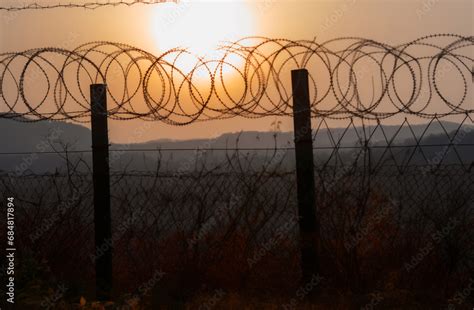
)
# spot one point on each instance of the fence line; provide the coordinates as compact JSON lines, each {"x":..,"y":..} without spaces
{"x":55,"y":220}
{"x":200,"y":212}
{"x":90,"y":5}
{"x":349,"y":77}
{"x":242,"y":149}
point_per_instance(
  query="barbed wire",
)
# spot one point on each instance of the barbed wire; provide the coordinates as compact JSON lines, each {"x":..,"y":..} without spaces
{"x":350,"y":77}
{"x":227,"y":149}
{"x":91,"y":5}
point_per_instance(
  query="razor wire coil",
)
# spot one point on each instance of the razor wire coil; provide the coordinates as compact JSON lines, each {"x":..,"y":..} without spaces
{"x":349,"y":77}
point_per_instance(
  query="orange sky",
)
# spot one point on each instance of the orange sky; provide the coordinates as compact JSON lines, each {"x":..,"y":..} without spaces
{"x":156,"y":28}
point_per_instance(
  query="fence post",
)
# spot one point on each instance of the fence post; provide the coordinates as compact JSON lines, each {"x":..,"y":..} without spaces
{"x":101,"y":181}
{"x":308,"y":223}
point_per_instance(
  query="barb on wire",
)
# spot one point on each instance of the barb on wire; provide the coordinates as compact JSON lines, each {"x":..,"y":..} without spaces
{"x":350,"y":77}
{"x":91,"y":5}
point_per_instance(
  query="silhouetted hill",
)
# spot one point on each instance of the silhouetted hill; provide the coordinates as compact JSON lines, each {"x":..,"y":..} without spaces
{"x":44,"y":136}
{"x":325,"y":138}
{"x":27,"y":136}
{"x":47,"y":136}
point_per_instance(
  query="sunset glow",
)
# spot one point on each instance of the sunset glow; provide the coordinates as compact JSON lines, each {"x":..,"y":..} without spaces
{"x":200,"y":26}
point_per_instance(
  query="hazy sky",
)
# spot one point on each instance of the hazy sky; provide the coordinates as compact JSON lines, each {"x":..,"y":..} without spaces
{"x":158,"y":27}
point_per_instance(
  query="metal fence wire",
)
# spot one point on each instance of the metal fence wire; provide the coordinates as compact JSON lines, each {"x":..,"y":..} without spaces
{"x":243,"y":216}
{"x":90,"y":5}
{"x":383,"y":191}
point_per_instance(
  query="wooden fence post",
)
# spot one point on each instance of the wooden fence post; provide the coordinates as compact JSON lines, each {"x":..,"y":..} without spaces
{"x":101,"y":182}
{"x":308,"y":222}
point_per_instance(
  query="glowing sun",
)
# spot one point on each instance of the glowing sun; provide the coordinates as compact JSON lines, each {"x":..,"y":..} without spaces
{"x":200,"y":26}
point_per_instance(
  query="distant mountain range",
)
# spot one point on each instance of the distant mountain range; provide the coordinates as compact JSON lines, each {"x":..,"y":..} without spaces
{"x":47,"y":136}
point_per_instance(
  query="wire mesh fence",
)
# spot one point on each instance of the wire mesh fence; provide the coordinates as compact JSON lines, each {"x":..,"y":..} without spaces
{"x":235,"y":224}
{"x":395,"y":202}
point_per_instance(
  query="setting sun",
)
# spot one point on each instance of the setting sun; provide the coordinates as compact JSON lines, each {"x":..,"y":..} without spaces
{"x":200,"y":26}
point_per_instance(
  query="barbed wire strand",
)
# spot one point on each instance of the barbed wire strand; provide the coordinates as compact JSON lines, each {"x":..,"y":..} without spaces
{"x":90,"y":5}
{"x":250,"y":79}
